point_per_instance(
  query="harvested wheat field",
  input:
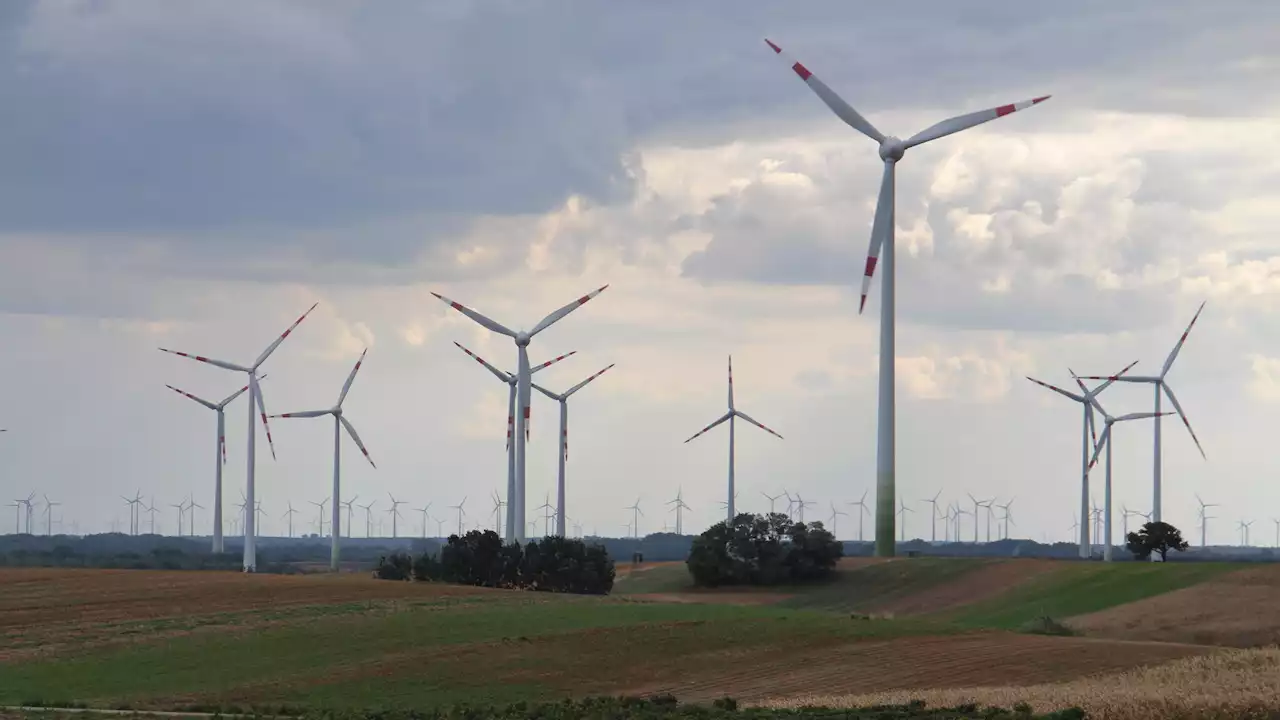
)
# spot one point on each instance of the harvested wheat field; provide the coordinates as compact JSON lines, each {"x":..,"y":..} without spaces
{"x":1225,"y":684}
{"x":923,"y":663}
{"x":1240,"y":609}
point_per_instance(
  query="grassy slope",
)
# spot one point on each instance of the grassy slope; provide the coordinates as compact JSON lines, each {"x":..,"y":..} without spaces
{"x":873,"y":586}
{"x":486,"y":652}
{"x":1077,"y":588}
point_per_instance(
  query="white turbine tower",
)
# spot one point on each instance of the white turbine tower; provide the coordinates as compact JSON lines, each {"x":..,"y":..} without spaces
{"x":289,"y":514}
{"x":1203,"y":517}
{"x":255,"y":394}
{"x":395,"y":513}
{"x":368,"y":518}
{"x":350,"y":505}
{"x":678,"y":506}
{"x":863,"y":511}
{"x":461,"y":512}
{"x":835,"y":514}
{"x":933,"y":524}
{"x":563,"y":399}
{"x":730,"y":415}
{"x":320,"y":514}
{"x":636,"y":512}
{"x":523,"y":391}
{"x":1007,"y":517}
{"x":340,"y":421}
{"x":1105,"y":439}
{"x":882,"y":240}
{"x":220,"y":454}
{"x":511,"y":380}
{"x":1159,"y":383}
{"x":1086,"y":449}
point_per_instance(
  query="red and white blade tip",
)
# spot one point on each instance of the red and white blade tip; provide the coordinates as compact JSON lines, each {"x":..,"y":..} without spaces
{"x":1014,"y":107}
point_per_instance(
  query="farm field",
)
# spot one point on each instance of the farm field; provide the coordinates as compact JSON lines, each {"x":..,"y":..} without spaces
{"x":167,"y":640}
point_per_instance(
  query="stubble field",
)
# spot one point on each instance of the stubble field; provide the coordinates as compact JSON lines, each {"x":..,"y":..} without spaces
{"x":168,"y":640}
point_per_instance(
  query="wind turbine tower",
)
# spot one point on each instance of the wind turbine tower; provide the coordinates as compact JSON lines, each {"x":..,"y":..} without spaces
{"x":563,"y":399}
{"x":395,"y":513}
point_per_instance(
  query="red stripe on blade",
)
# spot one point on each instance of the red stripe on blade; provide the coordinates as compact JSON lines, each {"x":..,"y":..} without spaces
{"x":802,"y":71}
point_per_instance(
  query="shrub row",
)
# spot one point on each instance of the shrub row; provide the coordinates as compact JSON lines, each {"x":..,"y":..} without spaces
{"x":763,"y":550}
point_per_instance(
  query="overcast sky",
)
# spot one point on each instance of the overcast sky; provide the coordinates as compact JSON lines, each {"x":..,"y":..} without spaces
{"x":195,"y":175}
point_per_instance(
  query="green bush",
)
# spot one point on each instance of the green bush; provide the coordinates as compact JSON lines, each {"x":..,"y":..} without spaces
{"x":1045,"y":625}
{"x":762,"y":550}
{"x":552,"y":564}
{"x":396,"y":566}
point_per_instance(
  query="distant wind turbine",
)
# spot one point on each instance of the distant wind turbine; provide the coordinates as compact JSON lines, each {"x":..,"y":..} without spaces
{"x":461,"y":513}
{"x":636,"y":512}
{"x":395,"y":513}
{"x":679,"y":506}
{"x":835,"y":514}
{"x":563,"y":399}
{"x":933,"y":529}
{"x":730,"y":415}
{"x":863,"y":511}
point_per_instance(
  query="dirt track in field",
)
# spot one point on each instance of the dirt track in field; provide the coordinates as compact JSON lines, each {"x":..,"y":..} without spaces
{"x":922,"y":663}
{"x":990,"y":580}
{"x":1240,"y":609}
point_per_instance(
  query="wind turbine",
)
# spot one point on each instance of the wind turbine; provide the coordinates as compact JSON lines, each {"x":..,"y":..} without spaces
{"x":258,"y":513}
{"x":523,"y":392}
{"x":1159,"y":383}
{"x":497,"y":512}
{"x":546,"y":519}
{"x":862,"y":512}
{"x":563,"y":399}
{"x":424,"y":509}
{"x":1075,"y":524}
{"x":977,"y":505}
{"x":512,"y":381}
{"x":679,"y":506}
{"x":1007,"y":516}
{"x":933,"y":529}
{"x":730,"y":415}
{"x":340,"y":421}
{"x":462,"y":512}
{"x":289,"y":514}
{"x":636,"y":512}
{"x":1105,"y":439}
{"x":220,"y":453}
{"x":1277,"y":522}
{"x":320,"y":519}
{"x":439,"y":527}
{"x":882,"y":240}
{"x":1085,"y":401}
{"x":1244,"y":533}
{"x":350,"y":506}
{"x":801,"y":504}
{"x":181,"y":507}
{"x":49,"y":505}
{"x":835,"y":514}
{"x":1203,"y":518}
{"x":255,"y":393}
{"x":368,"y":518}
{"x":725,"y":503}
{"x":395,"y":513}
{"x":192,"y":505}
{"x":903,"y":525}
{"x":771,"y":498}
{"x":135,"y":505}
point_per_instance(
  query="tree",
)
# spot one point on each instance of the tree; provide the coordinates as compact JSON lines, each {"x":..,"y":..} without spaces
{"x":1157,"y":537}
{"x":762,"y":550}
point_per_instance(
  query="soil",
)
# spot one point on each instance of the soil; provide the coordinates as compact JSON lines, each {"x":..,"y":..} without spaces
{"x":983,"y":583}
{"x":923,"y":663}
{"x":1240,"y":609}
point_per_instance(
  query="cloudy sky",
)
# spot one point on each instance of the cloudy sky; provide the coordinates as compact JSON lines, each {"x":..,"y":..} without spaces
{"x":195,"y":175}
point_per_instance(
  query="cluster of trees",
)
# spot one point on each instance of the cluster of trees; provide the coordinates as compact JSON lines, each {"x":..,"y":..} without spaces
{"x":762,"y":550}
{"x":552,"y":564}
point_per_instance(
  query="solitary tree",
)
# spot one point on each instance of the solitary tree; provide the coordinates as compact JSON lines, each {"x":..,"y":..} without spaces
{"x":1157,"y":537}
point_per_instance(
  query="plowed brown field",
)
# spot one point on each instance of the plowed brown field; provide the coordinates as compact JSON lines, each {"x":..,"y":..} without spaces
{"x":988,"y":581}
{"x":986,"y":658}
{"x":1241,"y":609}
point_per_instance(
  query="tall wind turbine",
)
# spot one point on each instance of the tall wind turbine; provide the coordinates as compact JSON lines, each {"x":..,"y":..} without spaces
{"x":289,"y":514}
{"x":523,"y":391}
{"x":730,"y":415}
{"x":181,"y":507}
{"x":771,"y":498}
{"x":563,"y":399}
{"x":835,"y":514}
{"x":255,"y":394}
{"x":1008,"y":515}
{"x":350,"y":505}
{"x":863,"y":511}
{"x":903,"y":525}
{"x":1159,"y":383}
{"x":340,"y":421}
{"x":512,"y":381}
{"x":636,"y":512}
{"x":977,"y":508}
{"x":220,"y":453}
{"x":320,"y":519}
{"x":1203,"y":517}
{"x":498,"y":504}
{"x":368,"y":518}
{"x":461,"y":512}
{"x":546,"y":518}
{"x":1086,"y":446}
{"x":424,"y":510}
{"x":882,"y":240}
{"x":49,"y":505}
{"x":1244,"y":532}
{"x":1106,"y":439}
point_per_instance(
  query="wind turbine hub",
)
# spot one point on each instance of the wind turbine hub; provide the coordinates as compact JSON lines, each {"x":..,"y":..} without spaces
{"x":892,"y":149}
{"x":522,"y":339}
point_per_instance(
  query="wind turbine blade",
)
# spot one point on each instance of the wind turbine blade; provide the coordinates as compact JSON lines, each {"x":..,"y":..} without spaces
{"x":524,"y":389}
{"x":200,"y":358}
{"x":1093,"y":426}
{"x":272,"y":347}
{"x":346,"y":387}
{"x":302,"y":414}
{"x":227,"y":401}
{"x":504,"y":377}
{"x":480,"y":319}
{"x":1113,"y":378}
{"x":964,"y":122}
{"x":1178,"y":406}
{"x":551,"y":362}
{"x":583,"y":384}
{"x":1097,"y":449}
{"x":755,"y":422}
{"x":262,"y":411}
{"x":730,"y":382}
{"x":1168,"y":363}
{"x":351,"y":430}
{"x":1141,"y":416}
{"x":556,"y":316}
{"x":184,"y":393}
{"x":881,"y":226}
{"x":837,"y":104}
{"x":1060,"y":391}
{"x":724,"y":417}
{"x":544,"y":391}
